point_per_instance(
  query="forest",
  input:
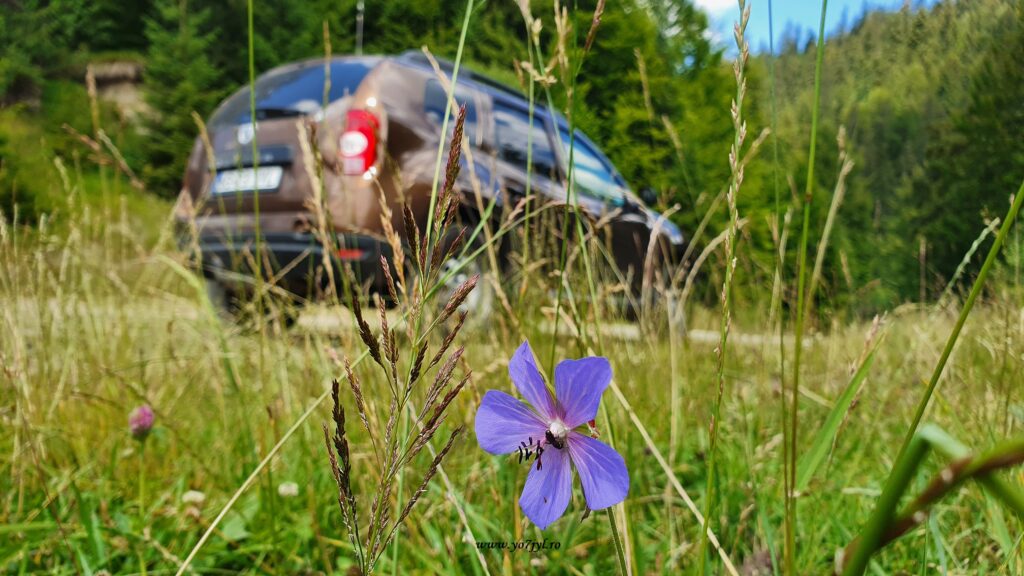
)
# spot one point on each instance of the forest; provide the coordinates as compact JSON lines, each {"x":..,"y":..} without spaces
{"x":925,"y":102}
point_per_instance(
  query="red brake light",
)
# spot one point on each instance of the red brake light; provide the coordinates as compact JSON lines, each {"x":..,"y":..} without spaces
{"x":350,"y":253}
{"x":358,"y":144}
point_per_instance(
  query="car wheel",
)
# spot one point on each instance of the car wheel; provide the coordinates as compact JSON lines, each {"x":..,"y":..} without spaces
{"x":223,"y":301}
{"x":230,"y":306}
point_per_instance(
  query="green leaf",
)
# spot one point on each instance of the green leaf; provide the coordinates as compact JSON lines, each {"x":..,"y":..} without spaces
{"x":91,"y":523}
{"x":812,"y":459}
{"x":27,"y":527}
{"x":234,"y":528}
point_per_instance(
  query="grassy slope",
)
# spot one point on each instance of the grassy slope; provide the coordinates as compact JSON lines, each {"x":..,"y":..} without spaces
{"x":35,"y":147}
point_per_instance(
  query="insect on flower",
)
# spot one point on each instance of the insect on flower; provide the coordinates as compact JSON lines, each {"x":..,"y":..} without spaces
{"x":546,"y":438}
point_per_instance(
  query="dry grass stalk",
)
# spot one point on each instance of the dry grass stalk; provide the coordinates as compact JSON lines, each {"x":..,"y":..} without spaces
{"x":673,"y":135}
{"x":846,"y":165}
{"x":446,"y":202}
{"x":357,"y":393}
{"x":737,"y":168}
{"x":563,"y":29}
{"x":394,"y":446}
{"x":365,"y":334}
{"x":341,"y":468}
{"x":467,"y":152}
{"x":313,"y":162}
{"x":112,"y":157}
{"x":458,"y":297}
{"x":447,"y":342}
{"x":641,"y":66}
{"x":417,"y":364}
{"x":435,"y":418}
{"x":395,"y":242}
{"x":412,"y":234}
{"x":430,"y":474}
{"x":595,"y":23}
{"x":390,"y":280}
{"x":437,"y":256}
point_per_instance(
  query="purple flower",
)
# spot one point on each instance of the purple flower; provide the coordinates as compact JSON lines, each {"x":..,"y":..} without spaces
{"x":140,"y":421}
{"x":547,"y":434}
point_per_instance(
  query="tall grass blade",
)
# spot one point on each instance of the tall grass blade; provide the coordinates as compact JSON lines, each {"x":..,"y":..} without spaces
{"x":736,"y":180}
{"x":872,"y":532}
{"x":790,"y":500}
{"x":824,"y":439}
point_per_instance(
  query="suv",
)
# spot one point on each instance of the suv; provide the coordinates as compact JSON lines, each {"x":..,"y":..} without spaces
{"x":377,"y":123}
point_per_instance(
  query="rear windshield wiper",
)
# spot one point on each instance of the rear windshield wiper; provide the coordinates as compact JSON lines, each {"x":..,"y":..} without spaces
{"x":265,"y":113}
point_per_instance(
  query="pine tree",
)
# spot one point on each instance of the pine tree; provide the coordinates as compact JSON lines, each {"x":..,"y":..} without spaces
{"x":179,"y":80}
{"x":34,"y":37}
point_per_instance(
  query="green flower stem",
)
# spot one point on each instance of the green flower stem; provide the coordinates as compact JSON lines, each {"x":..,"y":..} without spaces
{"x":801,"y":312}
{"x":619,"y":542}
{"x":142,"y":481}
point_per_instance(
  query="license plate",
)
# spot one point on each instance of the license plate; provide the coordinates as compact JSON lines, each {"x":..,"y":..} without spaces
{"x":262,"y":179}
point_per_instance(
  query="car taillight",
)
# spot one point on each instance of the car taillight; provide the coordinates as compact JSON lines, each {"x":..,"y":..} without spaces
{"x":358,"y":142}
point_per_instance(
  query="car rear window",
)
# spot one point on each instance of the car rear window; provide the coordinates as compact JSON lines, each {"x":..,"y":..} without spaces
{"x":514,"y":135}
{"x":434,"y":101}
{"x":292,"y":92}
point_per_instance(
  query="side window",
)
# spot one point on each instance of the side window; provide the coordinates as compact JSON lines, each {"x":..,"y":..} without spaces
{"x":514,"y":136}
{"x":435,"y":99}
{"x":593,"y":176}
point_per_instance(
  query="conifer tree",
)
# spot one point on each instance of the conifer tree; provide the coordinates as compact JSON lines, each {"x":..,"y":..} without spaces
{"x":179,"y":80}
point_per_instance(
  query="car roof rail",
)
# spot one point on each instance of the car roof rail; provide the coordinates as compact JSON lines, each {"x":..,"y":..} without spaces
{"x":465,"y":73}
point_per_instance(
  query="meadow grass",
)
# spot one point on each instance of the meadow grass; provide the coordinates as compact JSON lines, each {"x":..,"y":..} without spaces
{"x":90,"y":334}
{"x":100,"y":316}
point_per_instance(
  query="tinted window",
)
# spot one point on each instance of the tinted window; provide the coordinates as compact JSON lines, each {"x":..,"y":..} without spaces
{"x":593,"y":176}
{"x":435,"y":100}
{"x":514,"y":135}
{"x":292,"y":92}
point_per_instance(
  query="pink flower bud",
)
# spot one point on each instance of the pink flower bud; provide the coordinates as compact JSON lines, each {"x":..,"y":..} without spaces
{"x":140,"y":422}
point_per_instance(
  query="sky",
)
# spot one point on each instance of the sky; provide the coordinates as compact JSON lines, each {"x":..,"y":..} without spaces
{"x":805,"y":14}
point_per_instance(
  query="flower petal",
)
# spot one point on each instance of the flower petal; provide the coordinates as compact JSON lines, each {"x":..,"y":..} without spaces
{"x":602,"y":471}
{"x":579,"y":385}
{"x":502,"y":422}
{"x":547,"y":490}
{"x":524,"y":373}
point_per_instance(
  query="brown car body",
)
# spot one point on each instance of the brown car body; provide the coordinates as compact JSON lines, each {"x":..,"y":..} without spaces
{"x":401,"y":95}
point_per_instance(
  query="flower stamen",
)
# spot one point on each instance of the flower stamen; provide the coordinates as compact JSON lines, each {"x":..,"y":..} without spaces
{"x":529,"y":449}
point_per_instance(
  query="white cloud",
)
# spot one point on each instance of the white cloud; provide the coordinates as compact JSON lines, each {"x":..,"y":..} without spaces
{"x":716,"y":7}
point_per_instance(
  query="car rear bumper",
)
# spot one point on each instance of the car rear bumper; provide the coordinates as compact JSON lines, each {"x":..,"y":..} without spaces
{"x":293,"y":262}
